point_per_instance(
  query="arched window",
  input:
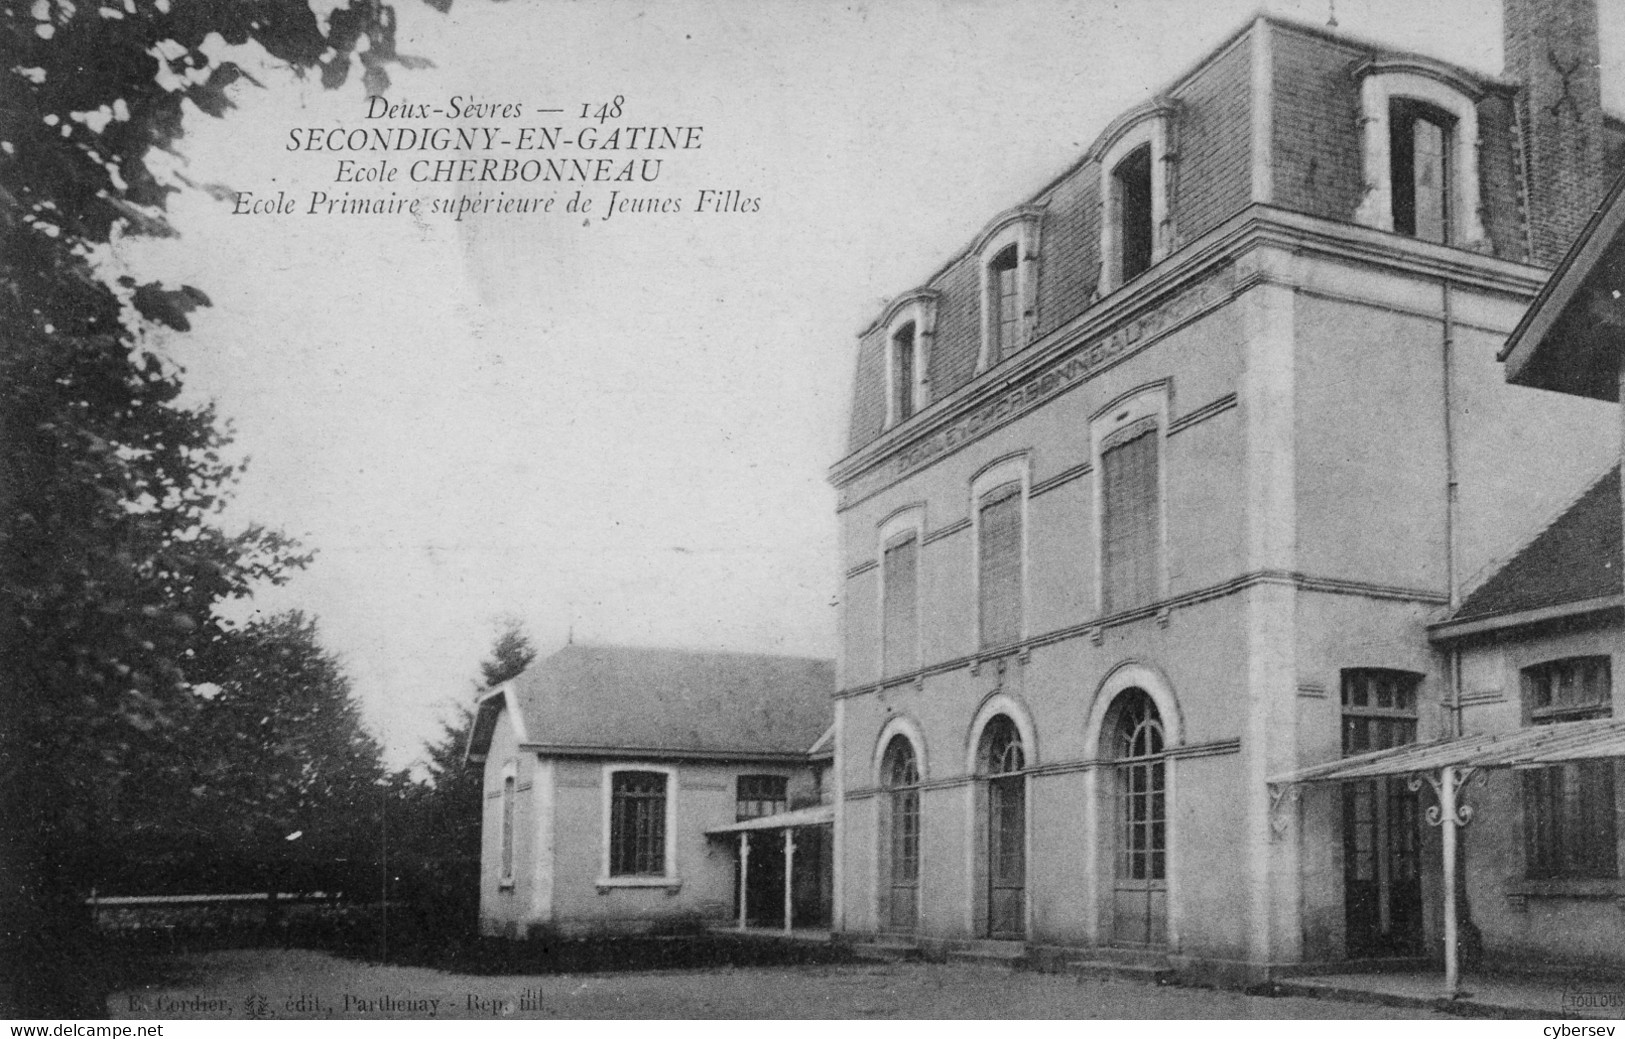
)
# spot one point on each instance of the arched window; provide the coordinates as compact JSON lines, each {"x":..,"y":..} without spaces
{"x":1420,"y":133}
{"x":1004,"y":306}
{"x":904,"y":379}
{"x":1141,"y":788}
{"x":904,"y":333}
{"x":1001,"y":760}
{"x":1007,"y":253}
{"x":1136,"y":227}
{"x":1001,"y":747}
{"x":1421,"y":173}
{"x":1131,"y":208}
{"x":1142,"y":820}
{"x":900,"y":774}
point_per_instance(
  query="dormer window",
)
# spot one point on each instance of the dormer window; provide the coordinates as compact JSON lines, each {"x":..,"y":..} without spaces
{"x":1008,"y":252}
{"x":1419,"y":163}
{"x":1135,"y":226}
{"x":1421,"y":152}
{"x":908,"y":325}
{"x":1131,"y":186}
{"x":903,"y":373}
{"x":1004,"y":305}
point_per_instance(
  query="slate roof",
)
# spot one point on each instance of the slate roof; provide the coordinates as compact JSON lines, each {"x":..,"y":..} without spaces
{"x":673,"y":702}
{"x":1577,"y":558}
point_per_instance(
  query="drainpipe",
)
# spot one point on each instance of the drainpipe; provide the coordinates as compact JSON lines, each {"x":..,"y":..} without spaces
{"x":1447,"y":351}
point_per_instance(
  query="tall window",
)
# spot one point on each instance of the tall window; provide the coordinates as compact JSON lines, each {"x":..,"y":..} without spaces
{"x":1382,"y":889}
{"x":1569,"y":826}
{"x":507,"y":828}
{"x":899,"y":582}
{"x":637,"y":824}
{"x":903,"y":373}
{"x":900,"y":773}
{"x":1131,"y":519}
{"x":1419,"y":154}
{"x":999,"y":556}
{"x":1142,"y":811}
{"x":758,"y":796}
{"x":1004,"y":306}
{"x":1002,"y":759}
{"x":1132,"y":182}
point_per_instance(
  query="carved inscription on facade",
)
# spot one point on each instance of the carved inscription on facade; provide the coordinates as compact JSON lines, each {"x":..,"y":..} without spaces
{"x":1077,"y":366}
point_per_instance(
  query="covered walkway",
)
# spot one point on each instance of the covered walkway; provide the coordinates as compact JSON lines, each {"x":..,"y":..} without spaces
{"x":1445,"y":765}
{"x":785,"y":868}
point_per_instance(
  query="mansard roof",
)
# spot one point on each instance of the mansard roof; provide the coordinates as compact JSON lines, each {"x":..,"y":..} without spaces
{"x":1312,"y":95}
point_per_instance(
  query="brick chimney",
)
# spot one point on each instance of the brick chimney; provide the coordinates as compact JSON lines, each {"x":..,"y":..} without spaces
{"x":1552,"y":49}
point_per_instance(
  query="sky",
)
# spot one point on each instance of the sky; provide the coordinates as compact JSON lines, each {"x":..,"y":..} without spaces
{"x":618,"y":430}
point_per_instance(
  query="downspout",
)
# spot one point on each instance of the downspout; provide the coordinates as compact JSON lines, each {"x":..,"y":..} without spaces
{"x":1448,"y":349}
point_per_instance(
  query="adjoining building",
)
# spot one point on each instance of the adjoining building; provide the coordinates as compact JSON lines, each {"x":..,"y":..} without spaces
{"x":1538,"y":645}
{"x":1153,"y":492}
{"x":618,"y":782}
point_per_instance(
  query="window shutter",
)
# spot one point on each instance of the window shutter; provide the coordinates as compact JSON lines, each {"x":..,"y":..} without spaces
{"x":1001,"y":566}
{"x":1131,"y":520}
{"x":900,"y":617}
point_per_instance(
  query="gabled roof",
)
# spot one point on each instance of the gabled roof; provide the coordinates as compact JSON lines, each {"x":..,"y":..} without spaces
{"x":1576,"y":560}
{"x":1570,"y":338}
{"x":664,"y":703}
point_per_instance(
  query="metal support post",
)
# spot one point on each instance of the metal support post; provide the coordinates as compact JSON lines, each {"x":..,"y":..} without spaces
{"x":744,"y":875}
{"x":1447,"y":809}
{"x":789,"y":874}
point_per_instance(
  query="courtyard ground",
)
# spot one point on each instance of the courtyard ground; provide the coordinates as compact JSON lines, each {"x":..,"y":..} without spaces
{"x":294,"y":983}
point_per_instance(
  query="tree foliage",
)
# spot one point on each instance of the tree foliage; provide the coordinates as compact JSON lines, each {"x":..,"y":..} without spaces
{"x":111,"y":556}
{"x":283,"y":766}
{"x":280,"y":786}
{"x":440,"y":844}
{"x":510,"y":654}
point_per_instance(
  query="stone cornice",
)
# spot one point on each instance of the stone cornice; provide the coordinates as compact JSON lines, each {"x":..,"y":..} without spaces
{"x":1218,"y":266}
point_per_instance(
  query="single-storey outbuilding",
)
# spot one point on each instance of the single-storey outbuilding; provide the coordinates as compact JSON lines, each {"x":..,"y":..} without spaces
{"x":614,"y":779}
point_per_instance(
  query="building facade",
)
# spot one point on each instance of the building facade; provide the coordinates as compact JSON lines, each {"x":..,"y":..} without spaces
{"x":1152,"y":492}
{"x":616,"y":779}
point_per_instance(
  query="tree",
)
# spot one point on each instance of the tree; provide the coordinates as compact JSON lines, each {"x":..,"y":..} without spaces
{"x":510,"y":654}
{"x":111,"y":559}
{"x":286,"y":771}
{"x":443,"y":849}
{"x":282,"y":784}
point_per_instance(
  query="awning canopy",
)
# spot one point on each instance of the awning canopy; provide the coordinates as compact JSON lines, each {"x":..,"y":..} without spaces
{"x":1530,"y":747}
{"x":814,"y":816}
